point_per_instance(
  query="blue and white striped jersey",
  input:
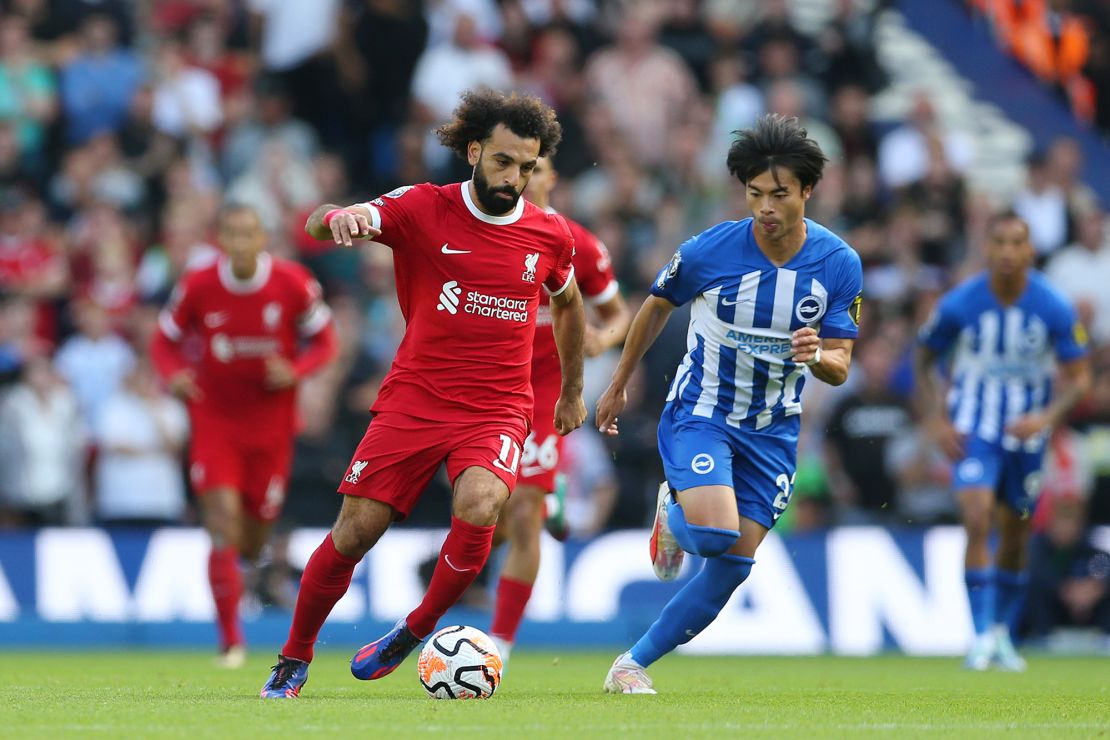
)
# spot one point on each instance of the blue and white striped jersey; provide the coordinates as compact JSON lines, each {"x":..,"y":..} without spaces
{"x":738,"y":369}
{"x":1002,"y":356}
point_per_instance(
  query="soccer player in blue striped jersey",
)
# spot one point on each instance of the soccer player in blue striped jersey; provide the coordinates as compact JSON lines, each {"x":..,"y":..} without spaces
{"x":1016,"y":355}
{"x":775,"y":298}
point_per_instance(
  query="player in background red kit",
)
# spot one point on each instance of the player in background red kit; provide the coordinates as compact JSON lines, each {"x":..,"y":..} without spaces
{"x":523,"y":517}
{"x":471,"y":260}
{"x":264,"y":326}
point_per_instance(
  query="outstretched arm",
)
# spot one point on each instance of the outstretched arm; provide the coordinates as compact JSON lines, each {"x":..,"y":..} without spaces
{"x":649,"y":321}
{"x":341,"y":224}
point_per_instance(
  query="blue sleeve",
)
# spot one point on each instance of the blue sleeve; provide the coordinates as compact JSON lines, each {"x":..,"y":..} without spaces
{"x":1069,"y":337}
{"x":846,"y":299}
{"x":683,"y":277}
{"x":942,"y":327}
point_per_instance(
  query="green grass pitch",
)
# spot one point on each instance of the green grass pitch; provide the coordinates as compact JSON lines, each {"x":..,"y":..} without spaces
{"x":149,"y":694}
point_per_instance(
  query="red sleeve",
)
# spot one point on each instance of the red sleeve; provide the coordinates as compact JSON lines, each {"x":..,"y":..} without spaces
{"x":312,"y":313}
{"x":167,"y":356}
{"x":593,"y":269}
{"x":177,"y":315}
{"x":173,"y":321}
{"x":321,"y":349}
{"x":560,"y":276}
{"x":393,"y":213}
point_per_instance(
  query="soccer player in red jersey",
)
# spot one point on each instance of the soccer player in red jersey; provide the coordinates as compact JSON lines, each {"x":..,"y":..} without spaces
{"x":264,"y":326}
{"x":470,"y":260}
{"x":523,"y":517}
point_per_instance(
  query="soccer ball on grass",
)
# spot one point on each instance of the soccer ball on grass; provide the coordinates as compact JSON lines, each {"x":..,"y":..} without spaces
{"x":459,"y":663}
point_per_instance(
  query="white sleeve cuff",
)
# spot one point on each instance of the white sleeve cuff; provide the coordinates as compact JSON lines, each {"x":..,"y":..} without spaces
{"x":314,"y":319}
{"x":169,"y":327}
{"x":375,"y":214}
{"x":605,"y":295}
{"x":570,"y":276}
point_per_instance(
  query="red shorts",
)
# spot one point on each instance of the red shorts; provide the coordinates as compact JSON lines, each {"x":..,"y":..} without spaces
{"x":220,"y":457}
{"x":544,"y":446}
{"x":399,"y":454}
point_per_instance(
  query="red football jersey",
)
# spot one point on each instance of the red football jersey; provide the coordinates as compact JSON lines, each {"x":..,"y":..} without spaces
{"x":242,"y":322}
{"x":594,"y":273}
{"x":469,"y":287}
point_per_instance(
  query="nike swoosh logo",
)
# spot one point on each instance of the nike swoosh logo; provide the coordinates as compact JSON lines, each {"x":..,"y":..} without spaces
{"x":447,"y":559}
{"x":447,"y":250}
{"x":691,"y":633}
{"x":727,"y":302}
{"x":213,"y":320}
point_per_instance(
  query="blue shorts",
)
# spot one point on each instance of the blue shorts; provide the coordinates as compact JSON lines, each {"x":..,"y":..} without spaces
{"x":1013,"y":475}
{"x":757,"y":466}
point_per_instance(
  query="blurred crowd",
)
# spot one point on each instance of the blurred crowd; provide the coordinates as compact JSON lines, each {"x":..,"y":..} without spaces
{"x":1065,"y":43}
{"x":124,"y":125}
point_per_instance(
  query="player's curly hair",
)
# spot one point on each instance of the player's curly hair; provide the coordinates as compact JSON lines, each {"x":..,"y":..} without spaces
{"x":481,"y":110}
{"x":776,"y":141}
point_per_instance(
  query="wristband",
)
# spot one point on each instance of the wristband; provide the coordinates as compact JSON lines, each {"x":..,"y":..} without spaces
{"x":332,"y":214}
{"x":815,"y":359}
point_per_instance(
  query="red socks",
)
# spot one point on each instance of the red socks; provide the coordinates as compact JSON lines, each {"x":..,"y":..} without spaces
{"x":226,"y":581}
{"x":512,"y":598}
{"x":462,"y":557}
{"x":326,"y":578}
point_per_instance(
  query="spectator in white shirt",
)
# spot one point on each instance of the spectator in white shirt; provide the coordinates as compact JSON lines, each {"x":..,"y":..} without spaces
{"x":904,"y":152}
{"x":94,"y":361}
{"x":1081,"y":271}
{"x":1044,"y":206}
{"x":42,"y":450}
{"x":141,"y":436}
{"x":186,"y":99}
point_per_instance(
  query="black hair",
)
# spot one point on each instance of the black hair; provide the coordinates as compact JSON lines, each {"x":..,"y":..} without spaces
{"x":1008,"y":214}
{"x":776,"y":141}
{"x":481,"y":110}
{"x":232,"y":207}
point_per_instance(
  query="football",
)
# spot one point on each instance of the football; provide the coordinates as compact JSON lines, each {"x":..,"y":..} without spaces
{"x":459,"y":663}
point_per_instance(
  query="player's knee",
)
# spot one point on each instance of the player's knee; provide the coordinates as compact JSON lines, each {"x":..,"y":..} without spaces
{"x":481,"y":511}
{"x":978,"y":526}
{"x":480,"y":504}
{"x":524,"y":516}
{"x":709,"y":542}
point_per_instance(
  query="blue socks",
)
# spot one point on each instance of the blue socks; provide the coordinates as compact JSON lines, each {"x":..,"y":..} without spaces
{"x":708,"y":542}
{"x":693,"y":608}
{"x":980,"y":595}
{"x":1009,"y":596}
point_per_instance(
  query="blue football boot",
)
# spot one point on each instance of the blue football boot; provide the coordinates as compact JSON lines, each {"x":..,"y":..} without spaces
{"x":381,"y":657}
{"x":288,"y":676}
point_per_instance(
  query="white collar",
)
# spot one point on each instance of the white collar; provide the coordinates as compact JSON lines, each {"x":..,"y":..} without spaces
{"x":510,"y":218}
{"x":251,"y":284}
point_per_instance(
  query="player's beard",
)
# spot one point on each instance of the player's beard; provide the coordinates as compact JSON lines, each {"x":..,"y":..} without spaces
{"x":487,"y":196}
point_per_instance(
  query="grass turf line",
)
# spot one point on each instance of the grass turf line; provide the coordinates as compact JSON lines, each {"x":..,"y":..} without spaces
{"x":177,"y":694}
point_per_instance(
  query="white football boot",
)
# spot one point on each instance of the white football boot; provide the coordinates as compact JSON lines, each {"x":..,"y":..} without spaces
{"x":666,"y":555}
{"x":1006,"y":656}
{"x":981,"y":653}
{"x":626,"y":676}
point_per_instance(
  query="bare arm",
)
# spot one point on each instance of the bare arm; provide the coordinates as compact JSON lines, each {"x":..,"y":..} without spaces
{"x":929,"y":397}
{"x":615,"y":320}
{"x":649,"y":321}
{"x":353,"y":222}
{"x":1073,"y":382}
{"x":836,"y":355}
{"x":568,"y":317}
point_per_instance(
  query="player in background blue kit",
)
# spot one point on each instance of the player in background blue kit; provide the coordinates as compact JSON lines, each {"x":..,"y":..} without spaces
{"x":1001,"y":329}
{"x":775,"y":297}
